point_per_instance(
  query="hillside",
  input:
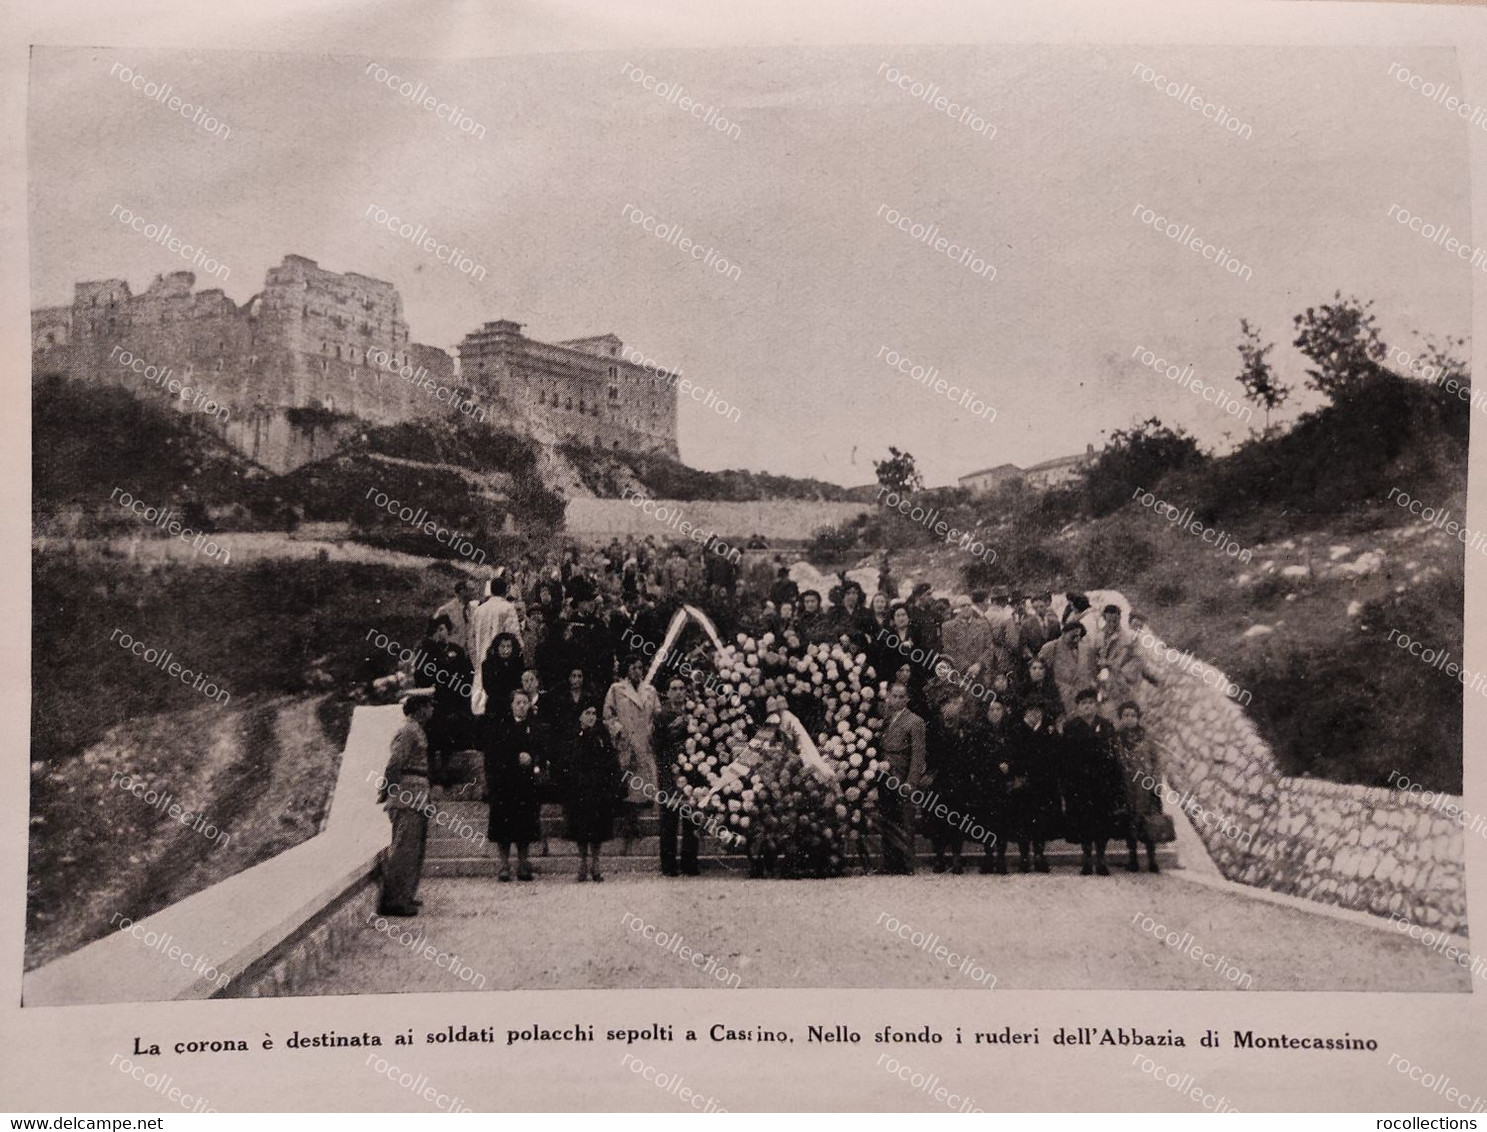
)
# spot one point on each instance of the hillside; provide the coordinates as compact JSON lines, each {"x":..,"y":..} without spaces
{"x":1299,"y":617}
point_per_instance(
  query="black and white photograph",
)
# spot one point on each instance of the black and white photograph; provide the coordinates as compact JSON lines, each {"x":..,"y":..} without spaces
{"x":909,"y":516}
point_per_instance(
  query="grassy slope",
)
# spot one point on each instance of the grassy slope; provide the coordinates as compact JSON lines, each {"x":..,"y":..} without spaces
{"x":260,"y":766}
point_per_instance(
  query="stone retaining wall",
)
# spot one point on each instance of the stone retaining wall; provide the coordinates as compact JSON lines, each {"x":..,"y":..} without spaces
{"x":1365,"y":848}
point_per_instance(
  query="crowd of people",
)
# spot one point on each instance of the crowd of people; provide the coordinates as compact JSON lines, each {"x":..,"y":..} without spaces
{"x":1023,"y":723}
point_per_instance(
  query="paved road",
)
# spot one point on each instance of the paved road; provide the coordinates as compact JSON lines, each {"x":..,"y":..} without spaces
{"x":1060,"y":931}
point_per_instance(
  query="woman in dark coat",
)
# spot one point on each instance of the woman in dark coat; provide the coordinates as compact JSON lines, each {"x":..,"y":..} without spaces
{"x":997,"y":778}
{"x":1037,"y":807}
{"x":1093,"y":783}
{"x":1143,"y":778}
{"x":850,"y":620}
{"x":500,"y":672}
{"x":592,"y":787}
{"x":514,"y":758}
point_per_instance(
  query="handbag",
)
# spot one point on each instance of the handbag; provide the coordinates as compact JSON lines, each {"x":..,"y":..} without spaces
{"x":1160,"y":828}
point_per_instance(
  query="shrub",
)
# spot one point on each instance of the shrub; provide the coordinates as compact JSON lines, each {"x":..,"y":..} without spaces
{"x":830,"y":545}
{"x":1113,"y":556}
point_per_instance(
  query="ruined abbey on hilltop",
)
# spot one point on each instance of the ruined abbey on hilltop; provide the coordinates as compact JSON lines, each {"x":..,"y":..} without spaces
{"x":315,"y":353}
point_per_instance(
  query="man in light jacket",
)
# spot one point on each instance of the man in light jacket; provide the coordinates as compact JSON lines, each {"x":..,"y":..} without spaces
{"x":492,"y":617}
{"x":903,"y":748}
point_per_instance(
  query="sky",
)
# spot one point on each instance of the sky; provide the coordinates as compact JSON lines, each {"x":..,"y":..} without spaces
{"x":826,"y":287}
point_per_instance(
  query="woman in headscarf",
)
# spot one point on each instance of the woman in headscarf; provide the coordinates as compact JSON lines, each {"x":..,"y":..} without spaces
{"x":500,"y":672}
{"x":592,"y":788}
{"x":1037,"y":683}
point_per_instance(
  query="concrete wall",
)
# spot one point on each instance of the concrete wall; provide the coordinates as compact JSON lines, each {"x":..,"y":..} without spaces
{"x":734,"y":522}
{"x":1369,"y":849}
{"x":261,"y":931}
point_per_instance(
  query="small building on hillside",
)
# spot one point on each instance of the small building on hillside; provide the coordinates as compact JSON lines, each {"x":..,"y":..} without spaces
{"x":988,"y":480}
{"x":1040,"y":477}
{"x":1056,"y":473}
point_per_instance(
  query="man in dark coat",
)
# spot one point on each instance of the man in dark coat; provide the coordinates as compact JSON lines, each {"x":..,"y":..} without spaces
{"x":405,"y":795}
{"x":903,"y":748}
{"x":669,"y":730}
{"x":444,"y":668}
{"x":1094,"y":785}
{"x":952,"y":751}
{"x":587,"y":639}
{"x":783,"y":588}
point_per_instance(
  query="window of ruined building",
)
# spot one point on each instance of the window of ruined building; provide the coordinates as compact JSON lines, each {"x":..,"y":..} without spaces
{"x":568,"y":404}
{"x":614,"y":371}
{"x":581,"y":407}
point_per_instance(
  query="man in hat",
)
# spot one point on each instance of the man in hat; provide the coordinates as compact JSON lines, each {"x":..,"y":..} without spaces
{"x":922,"y":615}
{"x":998,"y":608}
{"x":405,"y":796}
{"x":783,"y":588}
{"x":1005,"y":645}
{"x":586,"y":638}
{"x":966,"y":638}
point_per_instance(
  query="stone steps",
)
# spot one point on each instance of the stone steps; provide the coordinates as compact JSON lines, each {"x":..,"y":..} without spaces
{"x":457,"y":847}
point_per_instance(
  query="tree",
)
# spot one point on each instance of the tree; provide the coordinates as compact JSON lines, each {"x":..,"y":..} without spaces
{"x":898,"y":472}
{"x":1134,"y":458}
{"x":1259,"y":381}
{"x":1341,"y":339}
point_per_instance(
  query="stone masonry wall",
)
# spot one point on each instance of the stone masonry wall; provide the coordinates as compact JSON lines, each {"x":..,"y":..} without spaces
{"x":1366,"y":848}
